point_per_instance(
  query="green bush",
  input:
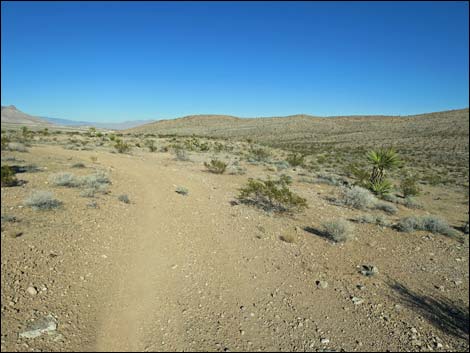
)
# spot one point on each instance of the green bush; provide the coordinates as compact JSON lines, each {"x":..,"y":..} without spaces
{"x":8,"y":176}
{"x":216,"y":166}
{"x":296,"y":159}
{"x":121,"y":146}
{"x":272,"y":195}
{"x":409,"y":186}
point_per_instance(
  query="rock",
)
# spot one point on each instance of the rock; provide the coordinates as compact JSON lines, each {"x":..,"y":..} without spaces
{"x":325,"y":341}
{"x":31,"y":291}
{"x":38,"y":327}
{"x":357,"y":300}
{"x":369,"y":270}
{"x":14,"y":233}
{"x":322,"y":284}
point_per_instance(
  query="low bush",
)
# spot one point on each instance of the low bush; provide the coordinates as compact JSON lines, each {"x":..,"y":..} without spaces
{"x":216,"y":166}
{"x":124,"y":198}
{"x":338,"y":230}
{"x":8,"y":177}
{"x":296,"y":159}
{"x":16,"y":146}
{"x":428,"y":223}
{"x":357,"y":197}
{"x":409,"y":186}
{"x":42,"y":200}
{"x":272,"y":195}
{"x":386,"y":207}
{"x":121,"y":146}
{"x":65,"y":179}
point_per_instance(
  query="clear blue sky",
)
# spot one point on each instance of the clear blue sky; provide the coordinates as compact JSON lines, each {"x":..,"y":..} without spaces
{"x":115,"y":61}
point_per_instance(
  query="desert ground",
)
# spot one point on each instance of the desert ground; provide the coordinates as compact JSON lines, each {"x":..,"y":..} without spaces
{"x":145,"y":249}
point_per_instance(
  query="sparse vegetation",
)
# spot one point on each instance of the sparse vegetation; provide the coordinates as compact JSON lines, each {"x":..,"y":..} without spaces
{"x":296,"y":159}
{"x":182,"y":190}
{"x":216,"y":166}
{"x":338,"y":230}
{"x":121,"y":146}
{"x":124,"y":198}
{"x":357,"y":197}
{"x":78,"y":165}
{"x":16,"y":146}
{"x":181,"y":154}
{"x":272,"y":195}
{"x":42,"y":200}
{"x":428,"y":223}
{"x":386,"y":207}
{"x":409,"y":186}
{"x":65,"y":179}
{"x":8,"y":177}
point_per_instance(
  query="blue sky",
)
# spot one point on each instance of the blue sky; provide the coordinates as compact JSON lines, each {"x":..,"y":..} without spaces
{"x":116,"y":61}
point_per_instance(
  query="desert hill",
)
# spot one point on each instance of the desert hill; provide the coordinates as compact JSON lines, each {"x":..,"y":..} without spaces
{"x":11,"y":115}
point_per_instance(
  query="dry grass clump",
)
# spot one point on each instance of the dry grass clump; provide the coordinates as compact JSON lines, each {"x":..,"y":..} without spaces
{"x":357,"y":197}
{"x":121,"y":146}
{"x":42,"y":200}
{"x":428,"y":223}
{"x":65,"y":179}
{"x":296,"y":159}
{"x":386,"y":207}
{"x":338,"y":230}
{"x":216,"y":166}
{"x":272,"y":195}
{"x":16,"y":146}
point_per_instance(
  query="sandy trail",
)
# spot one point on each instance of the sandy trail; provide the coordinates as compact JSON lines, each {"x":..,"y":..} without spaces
{"x":172,"y":248}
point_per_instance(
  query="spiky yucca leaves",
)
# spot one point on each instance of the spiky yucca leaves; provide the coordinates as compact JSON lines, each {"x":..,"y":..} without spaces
{"x":382,"y":160}
{"x":272,"y":195}
{"x":380,"y":188}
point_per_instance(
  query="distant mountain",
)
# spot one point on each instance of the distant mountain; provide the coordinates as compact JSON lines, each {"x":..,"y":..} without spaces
{"x":11,"y":115}
{"x":111,"y":126}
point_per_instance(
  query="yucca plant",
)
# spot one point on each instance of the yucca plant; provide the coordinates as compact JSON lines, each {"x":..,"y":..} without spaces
{"x":381,"y":188}
{"x":382,"y":160}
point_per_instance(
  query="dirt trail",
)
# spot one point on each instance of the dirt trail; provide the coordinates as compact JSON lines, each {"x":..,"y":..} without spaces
{"x":172,"y":248}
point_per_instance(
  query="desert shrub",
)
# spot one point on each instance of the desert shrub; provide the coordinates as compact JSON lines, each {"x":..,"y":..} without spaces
{"x":259,"y":155}
{"x":16,"y":146}
{"x":64,"y":179}
{"x":411,"y":203}
{"x":112,"y":137}
{"x":182,"y":190}
{"x":236,"y":170}
{"x":124,"y":198}
{"x":357,"y":197}
{"x":42,"y":200}
{"x":338,"y":230}
{"x":216,"y":166}
{"x":5,"y":141}
{"x":121,"y":146}
{"x":8,"y":177}
{"x":78,"y":165}
{"x":409,"y":186}
{"x":88,"y":192}
{"x":151,"y":145}
{"x":329,"y":179}
{"x":386,"y":207}
{"x":98,"y":181}
{"x":296,"y":159}
{"x":94,"y":159}
{"x":428,"y":223}
{"x":281,"y":165}
{"x":373,"y":219}
{"x":181,"y":154}
{"x":272,"y":195}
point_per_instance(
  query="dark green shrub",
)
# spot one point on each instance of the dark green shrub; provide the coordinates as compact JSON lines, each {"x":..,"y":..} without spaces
{"x":272,"y":195}
{"x":8,"y":176}
{"x":296,"y":159}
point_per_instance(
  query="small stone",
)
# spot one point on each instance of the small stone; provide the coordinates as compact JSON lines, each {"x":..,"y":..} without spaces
{"x":322,"y":284}
{"x":369,"y":270}
{"x":47,"y":324}
{"x":357,"y":300}
{"x":32,"y":291}
{"x":325,"y":341}
{"x":438,"y":344}
{"x":416,"y":342}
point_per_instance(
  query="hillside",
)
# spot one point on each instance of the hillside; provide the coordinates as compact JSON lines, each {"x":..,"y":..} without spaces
{"x":11,"y":115}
